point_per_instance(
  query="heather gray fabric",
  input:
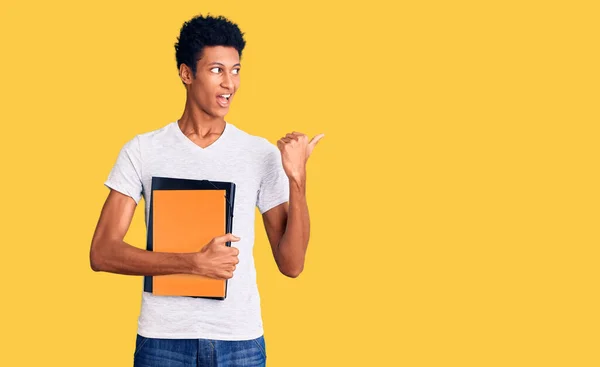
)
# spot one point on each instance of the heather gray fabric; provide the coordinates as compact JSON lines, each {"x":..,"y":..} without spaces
{"x":254,"y":165}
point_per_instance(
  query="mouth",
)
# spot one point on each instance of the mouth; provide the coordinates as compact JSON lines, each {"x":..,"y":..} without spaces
{"x":223,"y":99}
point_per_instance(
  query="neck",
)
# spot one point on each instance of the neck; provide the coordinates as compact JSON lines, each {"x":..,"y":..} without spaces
{"x":197,"y":122}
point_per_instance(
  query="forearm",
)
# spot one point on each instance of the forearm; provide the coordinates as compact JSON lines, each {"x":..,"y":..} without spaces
{"x":294,"y":242}
{"x":118,"y":257}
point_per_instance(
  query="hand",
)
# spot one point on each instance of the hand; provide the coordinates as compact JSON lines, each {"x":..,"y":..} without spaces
{"x":217,"y":260}
{"x":295,"y":150}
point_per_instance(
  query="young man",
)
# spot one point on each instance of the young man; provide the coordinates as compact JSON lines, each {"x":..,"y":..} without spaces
{"x":187,"y":331}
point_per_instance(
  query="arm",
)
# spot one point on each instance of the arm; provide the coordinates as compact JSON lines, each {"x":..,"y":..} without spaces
{"x":288,"y":225}
{"x":288,"y":230}
{"x":110,"y":253}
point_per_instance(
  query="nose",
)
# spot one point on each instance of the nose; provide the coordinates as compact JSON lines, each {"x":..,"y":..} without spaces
{"x":227,"y":82}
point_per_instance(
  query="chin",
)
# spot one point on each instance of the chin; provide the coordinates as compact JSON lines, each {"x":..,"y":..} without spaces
{"x":218,"y":115}
{"x":220,"y":112}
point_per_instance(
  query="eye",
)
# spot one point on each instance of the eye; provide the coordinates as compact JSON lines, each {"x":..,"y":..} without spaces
{"x":215,"y":68}
{"x":236,"y":71}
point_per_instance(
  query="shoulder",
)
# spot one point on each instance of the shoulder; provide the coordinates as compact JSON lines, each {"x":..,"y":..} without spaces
{"x":155,"y":134}
{"x":144,"y":141}
{"x":252,"y":143}
{"x":136,"y":145}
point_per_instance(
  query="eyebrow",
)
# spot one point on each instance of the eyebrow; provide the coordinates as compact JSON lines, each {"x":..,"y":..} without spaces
{"x":218,"y":63}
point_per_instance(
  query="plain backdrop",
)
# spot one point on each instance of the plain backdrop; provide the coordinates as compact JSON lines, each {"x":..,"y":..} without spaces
{"x":453,"y":201}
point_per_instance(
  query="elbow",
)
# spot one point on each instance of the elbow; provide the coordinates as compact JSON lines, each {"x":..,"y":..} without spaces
{"x":96,"y":262}
{"x":292,"y":272}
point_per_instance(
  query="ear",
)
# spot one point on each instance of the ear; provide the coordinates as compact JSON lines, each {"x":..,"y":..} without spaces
{"x":185,"y":73}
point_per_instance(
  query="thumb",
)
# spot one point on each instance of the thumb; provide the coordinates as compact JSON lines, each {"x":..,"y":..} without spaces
{"x":313,"y":143}
{"x":226,"y":238}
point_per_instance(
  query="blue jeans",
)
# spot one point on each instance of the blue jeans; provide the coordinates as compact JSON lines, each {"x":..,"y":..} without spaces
{"x":154,"y":352}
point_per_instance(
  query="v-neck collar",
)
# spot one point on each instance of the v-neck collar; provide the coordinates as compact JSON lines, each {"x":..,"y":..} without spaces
{"x":187,"y":141}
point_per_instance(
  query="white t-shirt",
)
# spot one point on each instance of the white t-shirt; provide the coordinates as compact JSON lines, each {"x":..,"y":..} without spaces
{"x":254,"y":165}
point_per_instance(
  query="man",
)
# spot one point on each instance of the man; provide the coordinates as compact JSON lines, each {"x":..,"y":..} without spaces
{"x":188,"y":331}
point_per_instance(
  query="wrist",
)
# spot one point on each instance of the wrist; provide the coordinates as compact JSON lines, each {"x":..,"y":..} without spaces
{"x":298,"y":177}
{"x":195,"y":263}
{"x":297,"y":185}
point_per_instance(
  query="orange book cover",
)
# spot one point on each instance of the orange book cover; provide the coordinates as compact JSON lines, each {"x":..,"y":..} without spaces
{"x":184,"y":216}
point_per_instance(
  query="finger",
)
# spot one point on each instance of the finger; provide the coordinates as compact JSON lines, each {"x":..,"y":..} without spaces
{"x":300,"y":136}
{"x":292,"y":136}
{"x":316,"y":139}
{"x":226,"y":238}
{"x":219,"y":276}
{"x":235,"y":251}
{"x":285,"y":140}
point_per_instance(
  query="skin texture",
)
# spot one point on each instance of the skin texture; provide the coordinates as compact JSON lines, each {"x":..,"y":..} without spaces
{"x":203,"y":121}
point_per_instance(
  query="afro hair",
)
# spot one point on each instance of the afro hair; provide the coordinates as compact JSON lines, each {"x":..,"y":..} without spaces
{"x":203,"y":31}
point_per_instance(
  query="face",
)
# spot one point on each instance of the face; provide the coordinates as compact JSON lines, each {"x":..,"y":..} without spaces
{"x":217,"y":80}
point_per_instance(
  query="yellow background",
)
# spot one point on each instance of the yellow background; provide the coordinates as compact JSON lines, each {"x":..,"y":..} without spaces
{"x":454,"y":199}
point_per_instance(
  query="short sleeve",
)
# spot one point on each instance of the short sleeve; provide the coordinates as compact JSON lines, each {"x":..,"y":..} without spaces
{"x":274,"y":187}
{"x":126,"y":174}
